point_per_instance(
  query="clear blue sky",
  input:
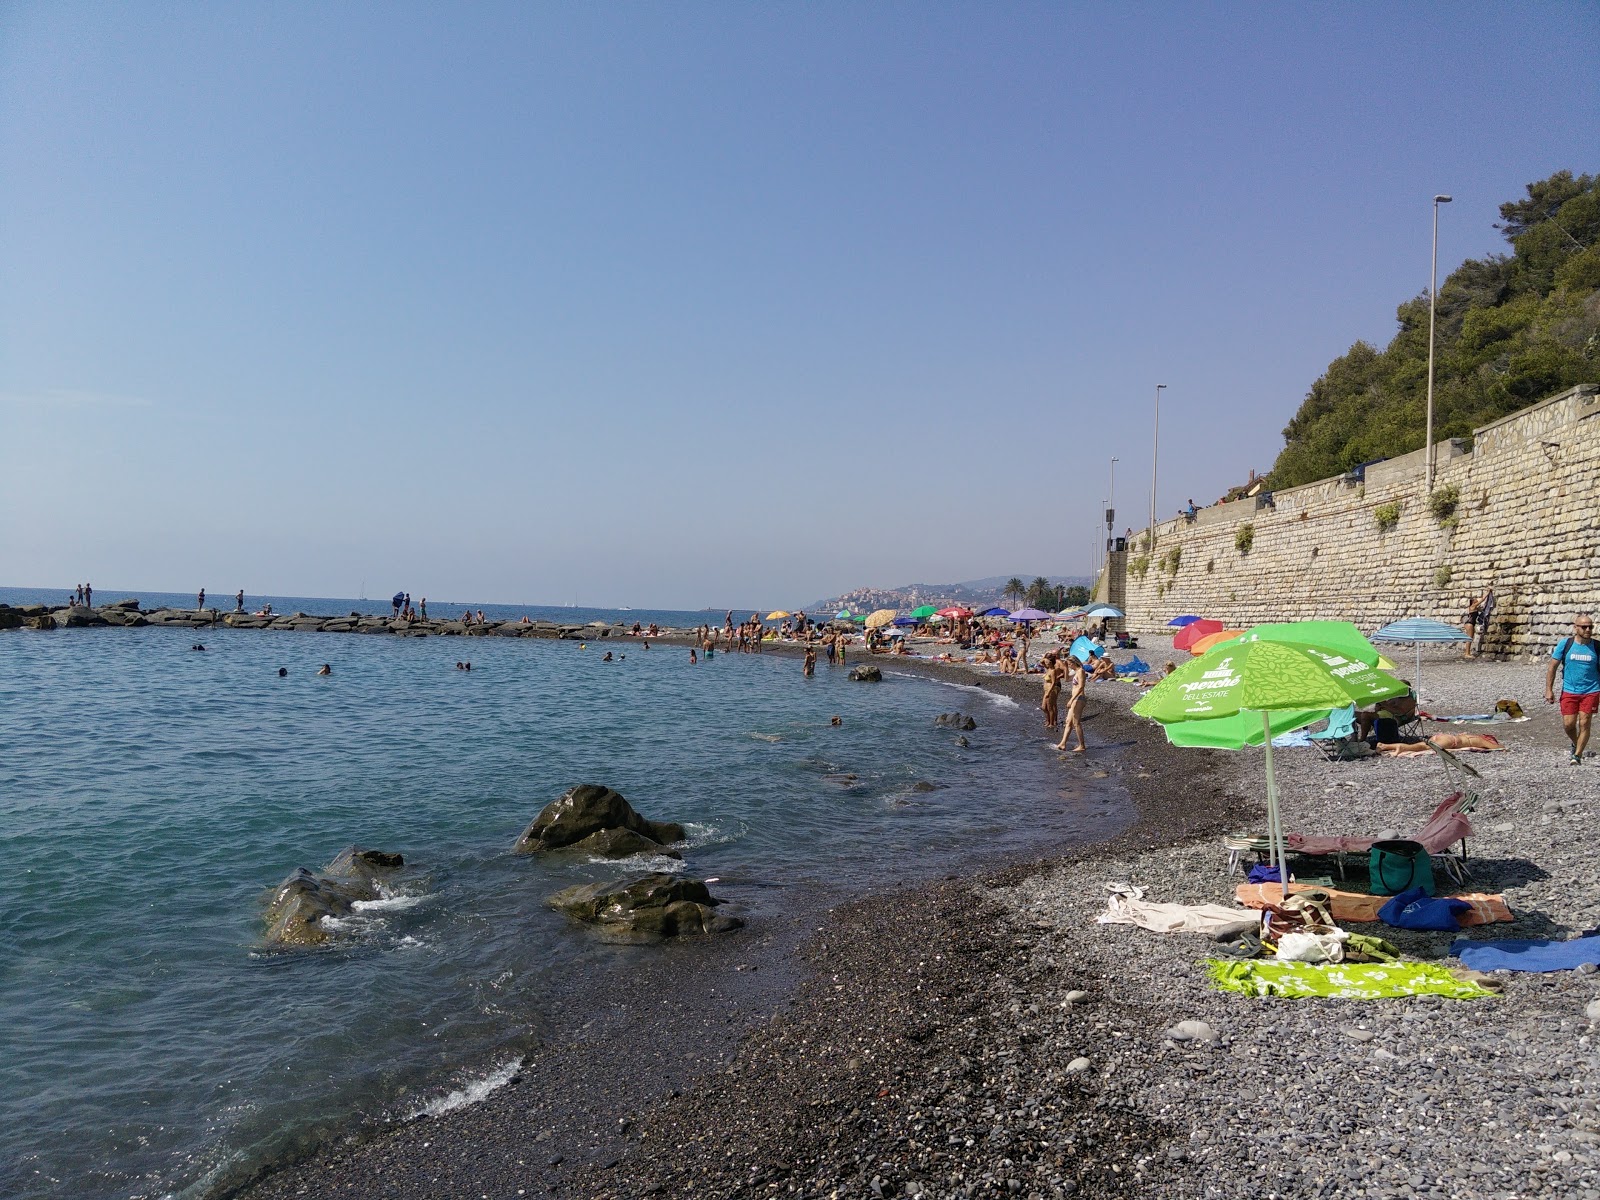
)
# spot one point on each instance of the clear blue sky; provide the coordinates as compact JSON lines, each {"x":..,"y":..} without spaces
{"x":684,"y":304}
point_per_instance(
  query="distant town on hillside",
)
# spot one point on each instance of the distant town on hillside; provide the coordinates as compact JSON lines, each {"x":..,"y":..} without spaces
{"x":1051,"y":593}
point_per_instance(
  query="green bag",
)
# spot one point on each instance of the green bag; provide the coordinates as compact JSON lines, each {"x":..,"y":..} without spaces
{"x":1400,"y":865}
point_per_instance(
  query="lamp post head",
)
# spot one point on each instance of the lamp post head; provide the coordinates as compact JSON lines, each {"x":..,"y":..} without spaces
{"x":1441,"y":199}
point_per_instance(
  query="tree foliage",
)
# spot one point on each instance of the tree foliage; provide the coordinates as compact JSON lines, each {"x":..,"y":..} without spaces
{"x":1511,"y":330}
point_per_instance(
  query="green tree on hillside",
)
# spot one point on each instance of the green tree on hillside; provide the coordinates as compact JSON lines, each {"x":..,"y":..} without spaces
{"x":1041,"y":594}
{"x":1013,"y":591}
{"x":1511,"y":330}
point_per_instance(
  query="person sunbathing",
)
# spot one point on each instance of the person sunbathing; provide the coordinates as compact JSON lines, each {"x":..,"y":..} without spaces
{"x":1442,"y":741}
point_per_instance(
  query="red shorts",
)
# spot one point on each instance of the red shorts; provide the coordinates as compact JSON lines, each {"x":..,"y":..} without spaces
{"x":1573,"y":703}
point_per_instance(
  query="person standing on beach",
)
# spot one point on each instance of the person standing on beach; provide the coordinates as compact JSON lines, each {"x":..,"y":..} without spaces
{"x":1074,"y":724}
{"x":1052,"y":691}
{"x":1485,"y":610}
{"x":1576,"y":658}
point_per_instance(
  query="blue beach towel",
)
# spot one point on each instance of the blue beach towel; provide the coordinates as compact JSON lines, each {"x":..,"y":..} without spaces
{"x":1295,"y":737}
{"x":1527,"y":954}
{"x":1134,"y":666}
{"x":1415,"y":909}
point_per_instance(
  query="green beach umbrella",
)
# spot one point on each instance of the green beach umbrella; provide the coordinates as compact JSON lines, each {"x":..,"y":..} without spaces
{"x":924,"y":612}
{"x":1248,"y":682}
{"x":1340,"y":636}
{"x":1241,"y":729}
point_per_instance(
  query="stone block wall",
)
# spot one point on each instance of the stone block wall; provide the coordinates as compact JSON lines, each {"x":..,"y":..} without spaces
{"x":1527,"y":520}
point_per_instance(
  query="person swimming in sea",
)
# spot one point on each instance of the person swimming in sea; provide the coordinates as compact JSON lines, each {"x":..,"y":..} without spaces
{"x":607,"y":658}
{"x":325,"y":669}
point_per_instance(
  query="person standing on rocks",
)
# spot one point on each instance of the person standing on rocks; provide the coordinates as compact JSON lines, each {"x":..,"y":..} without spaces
{"x":200,"y":601}
{"x":88,"y":596}
{"x":238,"y":600}
{"x":1576,"y":659}
{"x":423,"y":608}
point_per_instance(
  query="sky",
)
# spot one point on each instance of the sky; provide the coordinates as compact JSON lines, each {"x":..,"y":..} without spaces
{"x":682,"y":305}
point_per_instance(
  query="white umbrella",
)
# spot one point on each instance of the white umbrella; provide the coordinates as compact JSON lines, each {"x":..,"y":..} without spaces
{"x":1417,"y":630}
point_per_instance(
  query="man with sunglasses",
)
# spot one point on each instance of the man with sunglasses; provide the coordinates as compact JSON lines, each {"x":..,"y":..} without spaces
{"x":1580,"y":683}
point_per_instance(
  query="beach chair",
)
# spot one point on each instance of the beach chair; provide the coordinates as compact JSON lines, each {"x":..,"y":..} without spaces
{"x":1444,"y":828}
{"x":1341,"y":728}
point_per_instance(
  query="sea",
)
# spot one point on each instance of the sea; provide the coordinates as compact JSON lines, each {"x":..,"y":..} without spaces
{"x":153,"y":794}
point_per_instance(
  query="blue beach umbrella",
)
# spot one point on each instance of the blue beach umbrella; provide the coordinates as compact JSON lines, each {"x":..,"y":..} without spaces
{"x":842,"y":615}
{"x":1186,"y":619}
{"x":1418,"y":630}
{"x":902,"y":622}
{"x":995,"y":612}
{"x":1105,"y":610}
{"x":1083,"y":649}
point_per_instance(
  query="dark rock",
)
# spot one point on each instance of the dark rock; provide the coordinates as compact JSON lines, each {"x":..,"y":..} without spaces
{"x":868,"y":674}
{"x":645,"y":908}
{"x":10,"y":618}
{"x":955,"y":720}
{"x":587,"y":809}
{"x":42,"y":621}
{"x":296,"y":908}
{"x":125,"y":605}
{"x":620,"y":843}
{"x":922,"y":785}
{"x":963,"y":743}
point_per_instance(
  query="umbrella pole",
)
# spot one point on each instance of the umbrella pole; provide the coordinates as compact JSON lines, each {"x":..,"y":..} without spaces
{"x":1418,"y":685}
{"x":1274,"y":824}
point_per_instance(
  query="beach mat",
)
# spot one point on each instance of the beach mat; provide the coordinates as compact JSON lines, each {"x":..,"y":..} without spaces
{"x":1530,"y":954}
{"x":1358,"y":906}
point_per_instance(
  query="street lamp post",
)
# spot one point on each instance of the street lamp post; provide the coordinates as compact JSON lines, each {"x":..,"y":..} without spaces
{"x":1433,"y":289}
{"x":1155,"y":451}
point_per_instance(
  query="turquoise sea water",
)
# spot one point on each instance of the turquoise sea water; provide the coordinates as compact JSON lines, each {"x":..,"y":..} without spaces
{"x":151,"y":795}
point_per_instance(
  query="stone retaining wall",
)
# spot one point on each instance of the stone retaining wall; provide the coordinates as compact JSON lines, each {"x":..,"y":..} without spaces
{"x":1526,"y":519}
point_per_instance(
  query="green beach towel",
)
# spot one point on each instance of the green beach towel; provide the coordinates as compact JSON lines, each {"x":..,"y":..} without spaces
{"x":1344,"y":981}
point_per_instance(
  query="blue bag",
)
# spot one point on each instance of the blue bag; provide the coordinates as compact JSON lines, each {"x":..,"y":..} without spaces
{"x":1262,"y":874}
{"x":1415,"y":909}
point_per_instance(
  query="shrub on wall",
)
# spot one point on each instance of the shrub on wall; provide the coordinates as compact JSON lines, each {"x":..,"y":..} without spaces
{"x":1245,"y":538}
{"x":1441,"y":577}
{"x":1139,"y":566}
{"x":1387,"y":516}
{"x":1442,"y":503}
{"x":1171,"y":559}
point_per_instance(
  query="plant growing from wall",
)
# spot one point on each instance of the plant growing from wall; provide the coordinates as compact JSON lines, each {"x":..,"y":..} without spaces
{"x":1138,"y":566}
{"x":1171,"y":559}
{"x":1245,"y":538}
{"x":1211,"y":565}
{"x":1442,"y":503}
{"x":1441,"y":577}
{"x":1387,"y":516}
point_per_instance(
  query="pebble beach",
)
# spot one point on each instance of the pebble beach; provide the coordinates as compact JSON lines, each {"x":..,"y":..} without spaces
{"x":984,"y":1036}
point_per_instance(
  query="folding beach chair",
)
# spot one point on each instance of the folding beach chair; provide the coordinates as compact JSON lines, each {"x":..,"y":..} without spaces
{"x":1445,"y":827}
{"x":1341,"y":728}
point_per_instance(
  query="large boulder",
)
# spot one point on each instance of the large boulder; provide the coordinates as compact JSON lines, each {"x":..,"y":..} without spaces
{"x":589,"y":809}
{"x":10,"y":618}
{"x":645,"y":908}
{"x":42,"y":621}
{"x":867,"y":674}
{"x":955,"y":720}
{"x":296,"y":909}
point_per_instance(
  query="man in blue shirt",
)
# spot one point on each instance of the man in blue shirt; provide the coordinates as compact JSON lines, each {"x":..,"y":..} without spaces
{"x":1580,"y":683}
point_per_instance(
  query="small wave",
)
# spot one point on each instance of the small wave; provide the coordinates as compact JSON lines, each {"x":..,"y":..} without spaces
{"x":658,"y":863}
{"x":697,"y":835}
{"x":473,"y":1093}
{"x":995,"y":697}
{"x":766,"y":737}
{"x":388,"y":904}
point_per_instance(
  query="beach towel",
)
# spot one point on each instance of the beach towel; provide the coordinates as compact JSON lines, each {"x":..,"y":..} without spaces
{"x":1527,"y":954}
{"x":1135,"y":666}
{"x":1293,"y":739}
{"x":1358,"y":906}
{"x":1126,"y":905}
{"x":1345,"y":981}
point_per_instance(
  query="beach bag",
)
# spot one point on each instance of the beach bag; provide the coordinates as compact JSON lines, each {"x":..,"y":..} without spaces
{"x":1400,"y":865}
{"x":1415,"y":909}
{"x":1312,"y":946}
{"x":1511,"y":708}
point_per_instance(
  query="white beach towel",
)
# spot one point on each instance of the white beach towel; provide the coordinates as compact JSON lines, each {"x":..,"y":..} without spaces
{"x":1126,"y":905}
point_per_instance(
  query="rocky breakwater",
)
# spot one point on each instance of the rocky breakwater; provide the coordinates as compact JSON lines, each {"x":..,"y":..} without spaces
{"x":300,"y":911}
{"x":128,"y":613}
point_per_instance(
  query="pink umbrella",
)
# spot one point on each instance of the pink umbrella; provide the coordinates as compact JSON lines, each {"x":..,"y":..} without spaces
{"x":1193,"y":632}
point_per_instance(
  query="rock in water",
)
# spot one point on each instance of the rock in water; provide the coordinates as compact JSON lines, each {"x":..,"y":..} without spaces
{"x":646,"y":908}
{"x":866,"y":674}
{"x":956,"y":720}
{"x":590,"y":809}
{"x":296,"y":908}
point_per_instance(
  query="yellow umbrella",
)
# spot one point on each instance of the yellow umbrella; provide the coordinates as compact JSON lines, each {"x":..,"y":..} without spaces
{"x":881,"y":618}
{"x":777,"y":616}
